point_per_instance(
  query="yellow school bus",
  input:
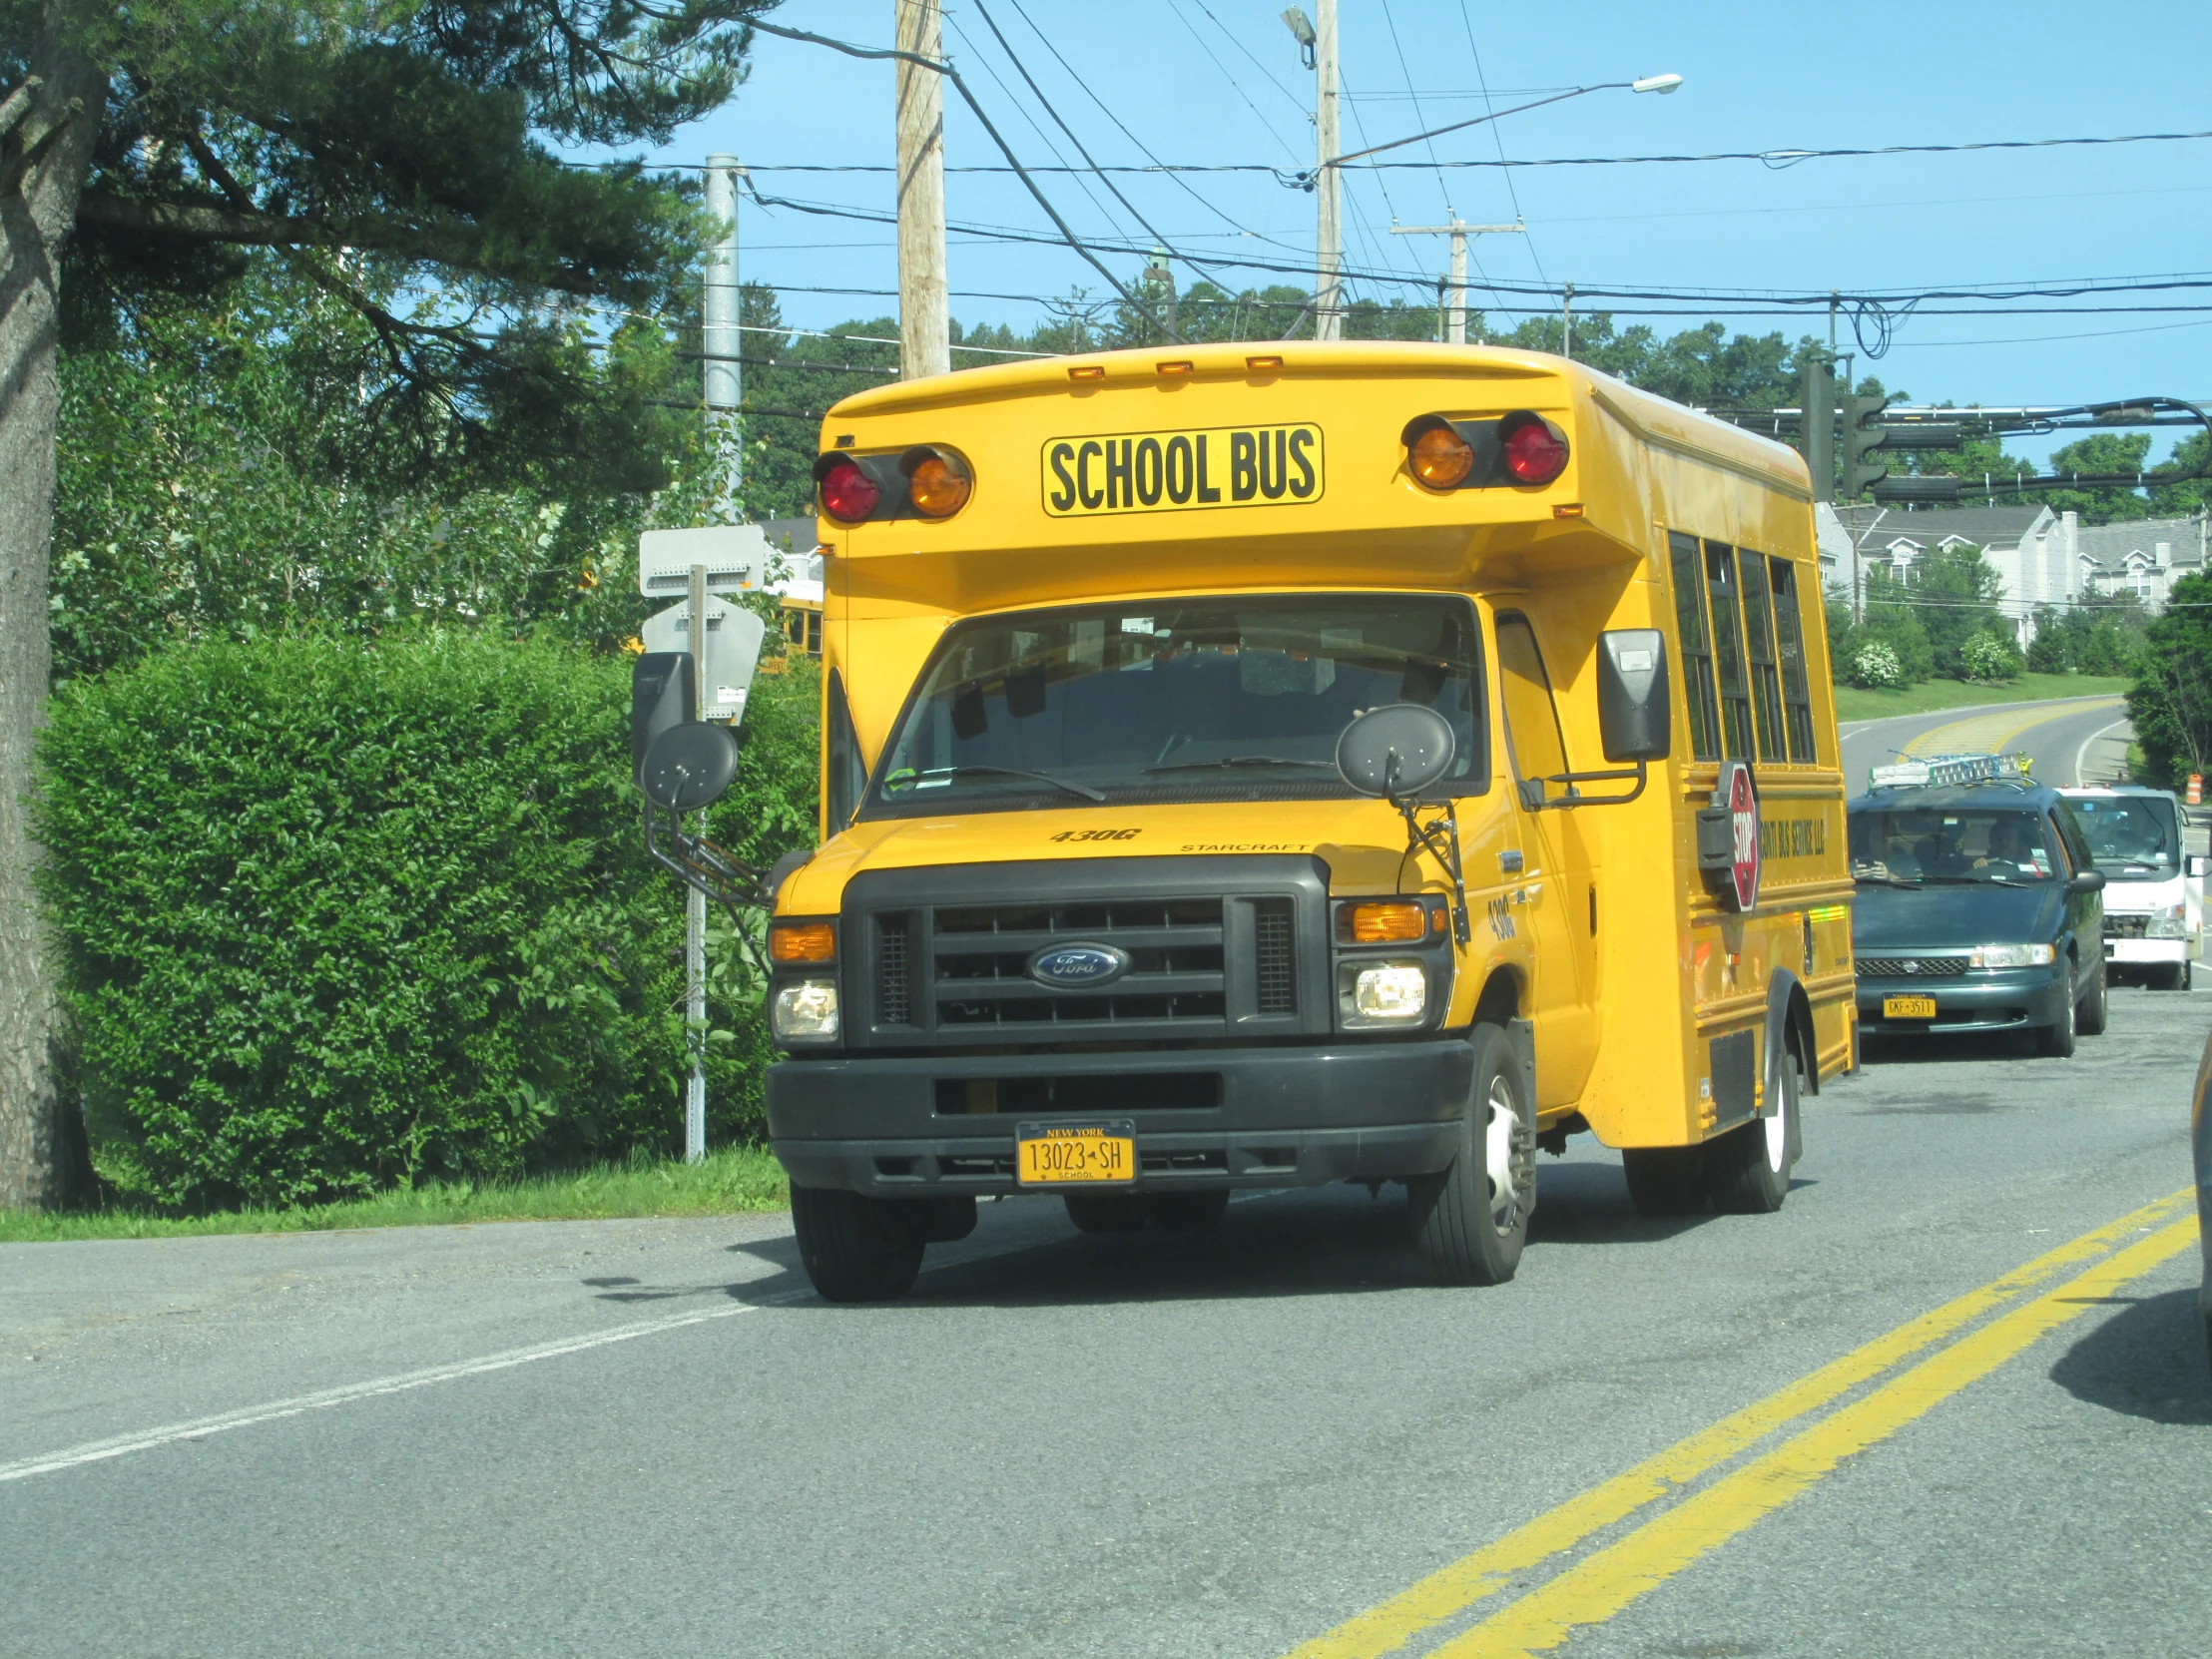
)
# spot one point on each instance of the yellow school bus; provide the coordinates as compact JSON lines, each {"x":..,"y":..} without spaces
{"x":1264,"y":765}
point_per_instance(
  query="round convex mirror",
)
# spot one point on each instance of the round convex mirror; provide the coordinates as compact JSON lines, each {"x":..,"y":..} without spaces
{"x":690,"y":764}
{"x":1397,"y":749}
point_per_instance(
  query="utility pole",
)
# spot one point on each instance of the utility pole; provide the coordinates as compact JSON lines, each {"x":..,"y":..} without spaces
{"x":1328,"y":317}
{"x":721,"y":339}
{"x":924,"y":321}
{"x":695,"y":917}
{"x":1455,"y":309}
{"x":1566,"y":321}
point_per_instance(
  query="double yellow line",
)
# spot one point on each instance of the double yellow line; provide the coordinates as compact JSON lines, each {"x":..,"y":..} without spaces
{"x":1608,"y":1579}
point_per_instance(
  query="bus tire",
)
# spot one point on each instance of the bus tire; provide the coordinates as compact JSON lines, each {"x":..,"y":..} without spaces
{"x":1665,"y":1180}
{"x":854,"y":1248}
{"x":1746,"y":1170}
{"x":1471,"y":1220}
{"x":1188,"y":1212}
{"x":1106,"y":1211}
{"x":2094,"y":1009}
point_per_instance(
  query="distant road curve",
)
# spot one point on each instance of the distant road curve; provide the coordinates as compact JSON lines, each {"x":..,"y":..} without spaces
{"x":2069,"y":741}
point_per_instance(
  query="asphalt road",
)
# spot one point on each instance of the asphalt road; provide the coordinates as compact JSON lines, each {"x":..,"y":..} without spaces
{"x":2080,"y":740}
{"x":649,"y":1438}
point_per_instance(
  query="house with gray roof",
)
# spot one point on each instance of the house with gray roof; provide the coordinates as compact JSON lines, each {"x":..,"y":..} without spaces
{"x":2034,"y":550}
{"x":2144,"y":558}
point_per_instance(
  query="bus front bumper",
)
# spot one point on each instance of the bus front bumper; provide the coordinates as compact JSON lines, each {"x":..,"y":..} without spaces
{"x":1214,"y":1117}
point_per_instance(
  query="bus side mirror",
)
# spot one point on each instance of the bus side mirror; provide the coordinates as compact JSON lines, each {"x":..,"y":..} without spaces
{"x":1635,"y":711}
{"x":690,"y":766}
{"x":664,"y":691}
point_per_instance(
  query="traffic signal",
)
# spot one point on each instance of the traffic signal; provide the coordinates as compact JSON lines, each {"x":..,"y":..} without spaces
{"x":1868,"y":445}
{"x":1817,"y":421}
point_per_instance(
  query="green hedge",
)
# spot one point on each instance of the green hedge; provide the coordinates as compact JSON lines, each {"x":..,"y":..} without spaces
{"x":335,"y":919}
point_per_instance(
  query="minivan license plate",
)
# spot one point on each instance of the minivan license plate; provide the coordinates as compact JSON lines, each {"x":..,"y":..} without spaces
{"x":1056,"y":1154}
{"x":1908,"y":1008}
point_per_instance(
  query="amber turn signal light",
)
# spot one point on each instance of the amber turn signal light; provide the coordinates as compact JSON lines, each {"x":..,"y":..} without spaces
{"x":938,"y":481}
{"x":1439,"y":457}
{"x":1393,"y":922}
{"x":801,"y":941}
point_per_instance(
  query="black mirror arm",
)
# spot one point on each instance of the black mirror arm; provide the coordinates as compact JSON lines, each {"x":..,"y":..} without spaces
{"x":1441,"y":836}
{"x":1535,"y":797}
{"x":698,"y":862}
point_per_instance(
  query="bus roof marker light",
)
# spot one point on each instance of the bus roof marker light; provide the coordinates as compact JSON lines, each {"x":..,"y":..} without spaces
{"x":1534,"y":451}
{"x":1087,"y":372}
{"x":1182,"y":367}
{"x":1260,"y":366}
{"x":1567,"y":509}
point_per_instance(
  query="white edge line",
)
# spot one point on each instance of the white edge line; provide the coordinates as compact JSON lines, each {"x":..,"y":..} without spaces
{"x":2083,"y":753}
{"x":148,"y":1440}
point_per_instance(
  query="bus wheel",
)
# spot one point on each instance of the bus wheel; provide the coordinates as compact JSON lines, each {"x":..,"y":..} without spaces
{"x":1665,"y":1180}
{"x":855,"y":1249}
{"x":1198,"y":1212}
{"x":1471,"y":1221}
{"x":1106,"y":1211}
{"x":1747,"y":1171}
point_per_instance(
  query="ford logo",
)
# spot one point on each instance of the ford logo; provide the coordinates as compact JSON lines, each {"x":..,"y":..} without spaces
{"x":1074,"y":966}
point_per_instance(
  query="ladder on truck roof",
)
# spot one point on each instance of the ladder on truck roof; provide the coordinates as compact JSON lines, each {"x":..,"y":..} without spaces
{"x":1948,"y":770}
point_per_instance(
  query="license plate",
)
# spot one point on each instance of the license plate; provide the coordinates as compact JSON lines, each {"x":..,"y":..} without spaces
{"x":1908,"y":1008}
{"x":1056,"y":1154}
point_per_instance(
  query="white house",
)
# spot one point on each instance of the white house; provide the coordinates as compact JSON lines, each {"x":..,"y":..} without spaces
{"x":2144,"y":558}
{"x":2034,"y":551}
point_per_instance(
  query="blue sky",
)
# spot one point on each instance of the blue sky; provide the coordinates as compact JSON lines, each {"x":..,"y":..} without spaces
{"x":1757,"y":78}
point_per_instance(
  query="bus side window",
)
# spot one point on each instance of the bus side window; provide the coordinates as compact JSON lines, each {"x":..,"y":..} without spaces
{"x":1728,"y":647}
{"x":848,"y":778}
{"x":1697,"y":649}
{"x":1532,"y":736}
{"x":813,"y":633}
{"x":1766,"y":681}
{"x":1789,"y":633}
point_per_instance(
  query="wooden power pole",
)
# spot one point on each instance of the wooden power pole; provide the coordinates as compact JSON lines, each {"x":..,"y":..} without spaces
{"x":1328,"y":316}
{"x":924,"y":321}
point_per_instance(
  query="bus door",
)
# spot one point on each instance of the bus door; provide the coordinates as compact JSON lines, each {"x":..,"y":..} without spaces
{"x":1560,"y":908}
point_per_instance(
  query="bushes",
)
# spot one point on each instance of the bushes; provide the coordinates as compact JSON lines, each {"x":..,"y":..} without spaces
{"x":1875,"y":666}
{"x":333,"y":918}
{"x":1990,"y":657}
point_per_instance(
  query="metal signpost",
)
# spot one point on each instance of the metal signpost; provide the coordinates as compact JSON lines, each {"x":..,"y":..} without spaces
{"x":724,"y":642}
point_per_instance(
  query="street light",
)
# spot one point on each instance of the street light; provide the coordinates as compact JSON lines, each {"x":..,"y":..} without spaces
{"x":1661,"y":83}
{"x":1302,"y":27}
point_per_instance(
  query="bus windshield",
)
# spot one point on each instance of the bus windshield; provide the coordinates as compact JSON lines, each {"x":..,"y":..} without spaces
{"x":2130,"y":832}
{"x":1915,"y":847}
{"x":1209,"y":698}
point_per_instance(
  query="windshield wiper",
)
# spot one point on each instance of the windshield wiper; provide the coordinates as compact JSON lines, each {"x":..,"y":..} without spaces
{"x":954,"y":774}
{"x":1245,"y":761}
{"x":1979,"y":882}
{"x":1888,"y":880}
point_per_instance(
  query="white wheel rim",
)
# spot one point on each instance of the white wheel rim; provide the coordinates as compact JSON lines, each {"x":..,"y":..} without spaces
{"x":1502,"y":1155}
{"x":1777,"y":1127}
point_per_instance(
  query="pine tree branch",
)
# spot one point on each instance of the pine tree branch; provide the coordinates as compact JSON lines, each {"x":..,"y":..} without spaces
{"x":194,"y":222}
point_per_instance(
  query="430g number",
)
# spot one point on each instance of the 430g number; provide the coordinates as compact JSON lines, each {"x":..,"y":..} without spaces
{"x":1096,"y":836}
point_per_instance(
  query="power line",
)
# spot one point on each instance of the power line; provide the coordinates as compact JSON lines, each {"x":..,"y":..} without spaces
{"x":1780,"y":158}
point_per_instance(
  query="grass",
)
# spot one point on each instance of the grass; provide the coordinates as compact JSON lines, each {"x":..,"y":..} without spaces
{"x":735,"y":1181}
{"x":1930,"y":696}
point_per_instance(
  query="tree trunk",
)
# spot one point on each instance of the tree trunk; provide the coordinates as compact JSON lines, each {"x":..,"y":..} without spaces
{"x":42,"y":1155}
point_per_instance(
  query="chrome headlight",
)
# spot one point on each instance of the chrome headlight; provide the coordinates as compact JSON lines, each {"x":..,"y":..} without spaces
{"x":1371,"y":993}
{"x":2014,"y":955}
{"x":807,"y":1010}
{"x":2170,"y":923}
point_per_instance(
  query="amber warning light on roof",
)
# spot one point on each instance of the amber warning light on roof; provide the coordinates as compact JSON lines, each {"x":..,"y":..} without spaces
{"x":1157,"y":472}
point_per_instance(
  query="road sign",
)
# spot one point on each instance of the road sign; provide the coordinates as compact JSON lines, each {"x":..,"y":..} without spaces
{"x":735,"y":557}
{"x":734,"y":636}
{"x":1742,"y":800}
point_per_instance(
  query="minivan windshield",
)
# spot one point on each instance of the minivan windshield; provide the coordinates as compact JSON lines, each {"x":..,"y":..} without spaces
{"x":1924,"y":846}
{"x":2130,"y":834}
{"x":1239,"y":698}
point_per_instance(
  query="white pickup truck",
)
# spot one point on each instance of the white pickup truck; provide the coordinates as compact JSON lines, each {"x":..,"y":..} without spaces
{"x":2154,"y":887}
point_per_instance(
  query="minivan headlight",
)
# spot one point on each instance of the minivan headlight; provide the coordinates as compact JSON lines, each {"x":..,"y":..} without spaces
{"x":2170,"y":923}
{"x":1380,"y":993}
{"x":807,"y":1010}
{"x":2014,"y":955}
